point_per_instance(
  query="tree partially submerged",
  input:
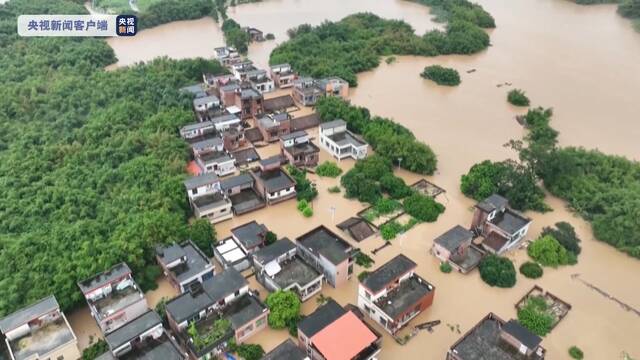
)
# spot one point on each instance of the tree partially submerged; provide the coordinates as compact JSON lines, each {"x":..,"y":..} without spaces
{"x":441,"y":75}
{"x":284,"y":309}
{"x":497,"y":271}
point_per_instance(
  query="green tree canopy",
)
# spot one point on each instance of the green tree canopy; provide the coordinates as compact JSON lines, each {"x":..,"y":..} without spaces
{"x":284,"y":307}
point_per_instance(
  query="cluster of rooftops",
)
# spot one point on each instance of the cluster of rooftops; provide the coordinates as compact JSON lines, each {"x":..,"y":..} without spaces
{"x":214,"y":308}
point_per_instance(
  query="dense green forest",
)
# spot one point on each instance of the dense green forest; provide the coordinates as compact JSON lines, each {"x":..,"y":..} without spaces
{"x":91,"y":166}
{"x":356,"y":43}
{"x":603,"y":189}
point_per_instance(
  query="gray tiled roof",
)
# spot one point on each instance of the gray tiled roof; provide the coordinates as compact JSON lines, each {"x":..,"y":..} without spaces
{"x":26,"y":314}
{"x":326,"y":243}
{"x":103,"y":278}
{"x":250,"y":234}
{"x":224,"y":284}
{"x":493,"y":202}
{"x":187,"y":305}
{"x":205,"y":100}
{"x":526,"y":337}
{"x":243,"y":310}
{"x":294,"y":135}
{"x":387,"y":273}
{"x":234,"y":181}
{"x":133,"y":329}
{"x":214,"y":142}
{"x":455,"y":236}
{"x":225,"y":118}
{"x":274,"y":180}
{"x":321,"y":318}
{"x":195,"y":261}
{"x":273,"y":251}
{"x":200,"y":180}
{"x":287,"y":350}
{"x":196,"y":126}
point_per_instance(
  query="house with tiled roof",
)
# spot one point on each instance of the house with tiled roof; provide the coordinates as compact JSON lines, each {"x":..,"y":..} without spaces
{"x":183,"y":264}
{"x":502,"y":227}
{"x":456,"y":248}
{"x":328,"y":253}
{"x":298,"y":149}
{"x":340,"y":142}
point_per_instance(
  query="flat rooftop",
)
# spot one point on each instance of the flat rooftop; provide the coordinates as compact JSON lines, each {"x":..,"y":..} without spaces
{"x":388,"y":273}
{"x":117,"y":300}
{"x":345,"y":138}
{"x":295,"y":271}
{"x":243,"y":310}
{"x":99,"y":280}
{"x":287,"y":350}
{"x":151,"y":349}
{"x":322,"y":241}
{"x":210,"y":201}
{"x":302,"y":148}
{"x":275,"y":180}
{"x":405,"y":296}
{"x":42,"y":340}
{"x":194,"y":261}
{"x":510,"y":221}
{"x":246,"y":200}
{"x":250,"y":234}
{"x":483,"y":342}
{"x":215,"y":157}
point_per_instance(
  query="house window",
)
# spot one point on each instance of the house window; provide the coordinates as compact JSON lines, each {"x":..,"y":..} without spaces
{"x":237,"y":293}
{"x":367,"y":295}
{"x":260,"y":322}
{"x":194,"y":191}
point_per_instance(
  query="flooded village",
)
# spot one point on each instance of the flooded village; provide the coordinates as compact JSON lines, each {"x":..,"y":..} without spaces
{"x":252,"y":126}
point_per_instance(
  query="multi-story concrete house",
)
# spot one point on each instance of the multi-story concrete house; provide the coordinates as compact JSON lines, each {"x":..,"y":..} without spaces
{"x":333,"y":86}
{"x":241,"y":192}
{"x":215,"y":206}
{"x":142,"y":338}
{"x":272,"y":183}
{"x":207,"y":144}
{"x":333,"y":333}
{"x":38,"y":331}
{"x":298,"y":149}
{"x":493,"y":338}
{"x":183,"y":264}
{"x":283,"y":75}
{"x":114,"y":298}
{"x":456,"y":248}
{"x":222,"y":305}
{"x":227,"y":56}
{"x":196,"y":130}
{"x":260,"y":80}
{"x":277,"y":267}
{"x":250,"y":236}
{"x":250,"y":102}
{"x":328,"y":253}
{"x":305,"y":92}
{"x":273,"y":126}
{"x":502,"y":227}
{"x":202,"y":105}
{"x":340,"y":142}
{"x":217,"y":162}
{"x":394,"y":294}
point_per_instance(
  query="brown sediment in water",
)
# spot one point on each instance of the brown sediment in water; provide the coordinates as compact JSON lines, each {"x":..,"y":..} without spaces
{"x":582,"y":61}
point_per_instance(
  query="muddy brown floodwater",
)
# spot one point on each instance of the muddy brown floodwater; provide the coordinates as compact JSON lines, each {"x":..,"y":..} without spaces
{"x":582,"y":61}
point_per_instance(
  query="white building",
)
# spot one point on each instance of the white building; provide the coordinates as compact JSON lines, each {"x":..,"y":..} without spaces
{"x":340,"y":142}
{"x":203,"y":104}
{"x":216,"y":162}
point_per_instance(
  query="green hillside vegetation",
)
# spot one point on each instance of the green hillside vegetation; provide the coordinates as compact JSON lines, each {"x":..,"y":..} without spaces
{"x":357,"y":42}
{"x":91,"y":166}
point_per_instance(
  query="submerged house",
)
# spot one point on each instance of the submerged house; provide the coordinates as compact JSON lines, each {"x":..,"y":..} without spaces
{"x":234,"y":251}
{"x":501,"y":227}
{"x":333,"y":333}
{"x":298,"y":149}
{"x":340,"y":142}
{"x":38,"y":331}
{"x":493,"y":338}
{"x":305,"y":92}
{"x":283,"y":75}
{"x":394,"y":294}
{"x":214,"y":313}
{"x":113,"y":297}
{"x":278,"y":267}
{"x":287,"y":350}
{"x":333,"y":86}
{"x":214,"y":206}
{"x":272,"y":183}
{"x":456,"y":248}
{"x":184,"y":264}
{"x":217,"y":162}
{"x":260,"y":80}
{"x":328,"y":253}
{"x":241,"y":192}
{"x":142,"y":338}
{"x":273,"y":126}
{"x":227,"y":56}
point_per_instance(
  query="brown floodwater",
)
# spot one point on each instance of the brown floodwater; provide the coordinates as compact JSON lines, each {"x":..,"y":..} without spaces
{"x":582,"y":61}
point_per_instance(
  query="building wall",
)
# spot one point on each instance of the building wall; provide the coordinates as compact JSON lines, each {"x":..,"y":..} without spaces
{"x":203,"y":190}
{"x":216,"y":215}
{"x":440,"y":252}
{"x":68,"y":351}
{"x":255,"y":326}
{"x":280,"y":195}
